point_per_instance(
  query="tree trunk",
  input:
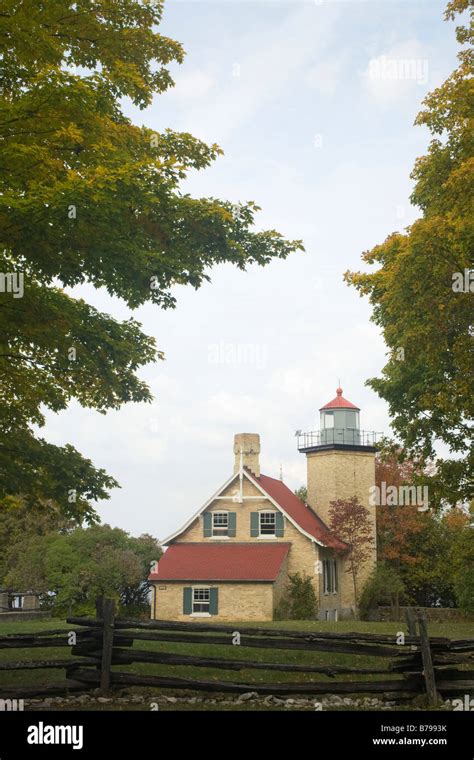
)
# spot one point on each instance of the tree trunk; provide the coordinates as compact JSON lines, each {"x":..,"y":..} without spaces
{"x":397,"y":606}
{"x":356,"y":600}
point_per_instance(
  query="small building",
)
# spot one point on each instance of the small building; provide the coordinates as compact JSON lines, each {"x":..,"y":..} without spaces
{"x":24,"y":605}
{"x":231,"y":559}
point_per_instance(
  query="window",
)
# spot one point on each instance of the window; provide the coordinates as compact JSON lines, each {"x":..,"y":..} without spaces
{"x":329,"y":420}
{"x":267,"y":523}
{"x":330,"y":576}
{"x":220,"y":523}
{"x":201,"y":600}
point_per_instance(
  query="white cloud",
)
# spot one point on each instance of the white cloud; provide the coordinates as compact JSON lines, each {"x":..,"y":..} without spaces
{"x":324,"y":77}
{"x":271,"y":61}
{"x":192,"y":85}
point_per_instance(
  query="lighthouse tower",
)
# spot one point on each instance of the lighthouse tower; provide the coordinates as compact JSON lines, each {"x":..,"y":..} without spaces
{"x":340,"y":461}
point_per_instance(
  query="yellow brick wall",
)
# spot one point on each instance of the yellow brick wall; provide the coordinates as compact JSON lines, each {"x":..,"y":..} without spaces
{"x":281,"y":584}
{"x":303,"y":552}
{"x":237,"y":601}
{"x":257,"y":601}
{"x":337,"y":474}
{"x":329,"y":601}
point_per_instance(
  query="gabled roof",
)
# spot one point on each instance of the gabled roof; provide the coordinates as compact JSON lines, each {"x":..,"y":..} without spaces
{"x":257,"y":561}
{"x":339,"y":402}
{"x":301,"y":513}
{"x":296,"y":511}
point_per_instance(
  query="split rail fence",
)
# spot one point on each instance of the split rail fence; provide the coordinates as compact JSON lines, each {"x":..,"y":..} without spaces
{"x":433,"y":666}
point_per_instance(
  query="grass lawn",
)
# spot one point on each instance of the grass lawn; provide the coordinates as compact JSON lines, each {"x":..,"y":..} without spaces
{"x":42,"y":676}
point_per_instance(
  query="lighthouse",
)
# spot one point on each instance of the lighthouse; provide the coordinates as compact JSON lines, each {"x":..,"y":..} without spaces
{"x":340,"y":459}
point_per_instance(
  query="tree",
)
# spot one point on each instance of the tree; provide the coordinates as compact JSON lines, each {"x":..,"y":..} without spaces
{"x":299,"y":602}
{"x":87,"y":197}
{"x":425,"y":549}
{"x":302,"y":493}
{"x":20,"y":522}
{"x":383,"y":586}
{"x":352,"y":523}
{"x":72,"y":569}
{"x":397,"y":524}
{"x":460,"y":557}
{"x":421,"y":292}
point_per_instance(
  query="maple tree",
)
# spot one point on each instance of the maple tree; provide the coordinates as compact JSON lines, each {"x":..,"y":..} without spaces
{"x":72,"y":568}
{"x":396,"y":523}
{"x":88,"y":197}
{"x":426,"y":320}
{"x":352,"y":523}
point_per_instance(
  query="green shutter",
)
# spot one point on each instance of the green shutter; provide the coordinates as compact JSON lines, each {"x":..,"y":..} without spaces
{"x":279,"y":525}
{"x":187,"y":600}
{"x":232,"y":524}
{"x":254,"y":526}
{"x":207,"y":524}
{"x":213,"y":601}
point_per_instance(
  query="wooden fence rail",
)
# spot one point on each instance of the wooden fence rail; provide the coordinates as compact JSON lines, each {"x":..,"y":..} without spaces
{"x":422,"y":665}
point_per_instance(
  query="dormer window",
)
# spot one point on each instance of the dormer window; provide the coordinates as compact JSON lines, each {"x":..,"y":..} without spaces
{"x":267,"y":523}
{"x":220,"y":523}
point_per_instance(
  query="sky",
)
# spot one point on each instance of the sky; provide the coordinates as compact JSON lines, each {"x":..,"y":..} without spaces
{"x":313,"y":104}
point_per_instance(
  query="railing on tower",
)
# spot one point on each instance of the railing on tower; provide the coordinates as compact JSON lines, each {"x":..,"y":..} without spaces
{"x":330,"y":436}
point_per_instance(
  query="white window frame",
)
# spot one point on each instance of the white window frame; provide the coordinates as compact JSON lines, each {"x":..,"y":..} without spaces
{"x":193,"y":601}
{"x":260,"y":514}
{"x":213,"y":527}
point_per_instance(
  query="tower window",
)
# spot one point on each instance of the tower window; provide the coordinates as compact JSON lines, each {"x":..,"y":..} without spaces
{"x":329,"y":420}
{"x":330,"y":576}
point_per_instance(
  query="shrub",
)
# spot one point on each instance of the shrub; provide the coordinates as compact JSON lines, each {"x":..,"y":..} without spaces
{"x":384,"y":586}
{"x":299,"y":602}
{"x":464,"y":588}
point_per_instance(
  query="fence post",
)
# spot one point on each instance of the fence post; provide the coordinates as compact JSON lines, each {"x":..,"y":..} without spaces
{"x":99,"y":607}
{"x":411,"y":621}
{"x":108,"y":616}
{"x":428,"y":670}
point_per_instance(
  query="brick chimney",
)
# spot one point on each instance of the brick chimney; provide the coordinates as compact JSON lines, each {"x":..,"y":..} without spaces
{"x":249,"y":445}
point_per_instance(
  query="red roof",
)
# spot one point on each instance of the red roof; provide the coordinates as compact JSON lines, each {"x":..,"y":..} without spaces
{"x":302,"y":514}
{"x":221,"y":562}
{"x":339,"y":402}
